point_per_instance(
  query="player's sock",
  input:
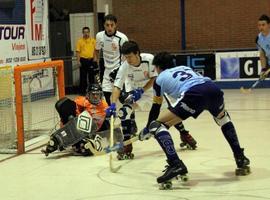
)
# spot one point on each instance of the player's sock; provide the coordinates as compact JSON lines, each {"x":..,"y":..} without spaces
{"x":231,"y":136}
{"x":165,"y":141}
{"x":180,"y":127}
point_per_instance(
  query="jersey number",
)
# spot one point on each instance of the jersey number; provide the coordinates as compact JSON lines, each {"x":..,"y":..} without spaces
{"x":183,"y":75}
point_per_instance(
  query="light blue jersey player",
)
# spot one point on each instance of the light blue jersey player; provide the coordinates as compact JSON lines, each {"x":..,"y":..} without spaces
{"x":193,"y":94}
{"x":185,"y":79}
{"x":263,"y":43}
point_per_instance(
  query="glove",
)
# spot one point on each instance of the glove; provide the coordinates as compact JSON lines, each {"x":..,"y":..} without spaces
{"x":144,"y":134}
{"x":113,"y":74}
{"x":264,"y":73}
{"x":137,"y":94}
{"x":111,"y":110}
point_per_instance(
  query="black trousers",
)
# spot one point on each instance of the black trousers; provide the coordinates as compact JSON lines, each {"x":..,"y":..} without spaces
{"x":86,"y":70}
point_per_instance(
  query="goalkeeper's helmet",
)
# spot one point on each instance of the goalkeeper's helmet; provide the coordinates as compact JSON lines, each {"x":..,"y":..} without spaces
{"x":94,"y":93}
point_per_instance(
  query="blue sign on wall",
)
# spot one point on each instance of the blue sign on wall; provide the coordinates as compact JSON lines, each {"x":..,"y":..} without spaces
{"x":229,"y":68}
{"x":15,"y":15}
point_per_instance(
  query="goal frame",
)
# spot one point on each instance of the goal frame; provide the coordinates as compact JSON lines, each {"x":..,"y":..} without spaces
{"x":58,"y":65}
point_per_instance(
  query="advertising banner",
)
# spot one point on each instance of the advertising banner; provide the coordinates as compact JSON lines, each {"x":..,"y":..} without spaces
{"x":13,"y":48}
{"x":36,"y":12}
{"x":238,"y":65}
{"x":202,"y":63}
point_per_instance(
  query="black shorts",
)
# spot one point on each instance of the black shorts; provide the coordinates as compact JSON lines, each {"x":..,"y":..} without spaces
{"x":206,"y":96}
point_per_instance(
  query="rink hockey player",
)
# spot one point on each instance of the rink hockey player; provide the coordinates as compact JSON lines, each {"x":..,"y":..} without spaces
{"x":194,"y":94}
{"x":133,"y":82}
{"x":69,"y":135}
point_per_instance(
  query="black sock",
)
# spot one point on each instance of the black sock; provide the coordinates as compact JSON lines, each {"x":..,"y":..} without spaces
{"x":107,"y":97}
{"x":180,"y":127}
{"x":231,"y":136}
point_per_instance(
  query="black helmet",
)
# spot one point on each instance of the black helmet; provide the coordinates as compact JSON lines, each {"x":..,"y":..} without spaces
{"x":94,"y":93}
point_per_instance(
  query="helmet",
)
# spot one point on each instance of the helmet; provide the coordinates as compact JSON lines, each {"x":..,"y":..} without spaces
{"x":94,"y":93}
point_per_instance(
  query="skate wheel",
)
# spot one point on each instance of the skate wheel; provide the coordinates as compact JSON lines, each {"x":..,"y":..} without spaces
{"x":51,"y":143}
{"x":242,"y":171}
{"x":184,"y":178}
{"x":166,"y":185}
{"x":131,"y":156}
{"x":193,"y":147}
{"x":119,"y":157}
{"x":45,"y":152}
{"x":182,"y":144}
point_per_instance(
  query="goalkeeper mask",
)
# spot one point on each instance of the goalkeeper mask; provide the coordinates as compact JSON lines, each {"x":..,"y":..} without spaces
{"x":94,"y":94}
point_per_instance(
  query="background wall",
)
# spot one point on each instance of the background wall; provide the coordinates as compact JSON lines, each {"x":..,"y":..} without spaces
{"x":218,"y":24}
{"x":13,"y":15}
{"x":149,"y":22}
{"x":73,"y":6}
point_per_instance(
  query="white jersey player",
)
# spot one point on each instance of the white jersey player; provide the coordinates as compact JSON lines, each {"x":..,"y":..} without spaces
{"x":137,"y":75}
{"x":110,"y":41}
{"x":134,"y":76}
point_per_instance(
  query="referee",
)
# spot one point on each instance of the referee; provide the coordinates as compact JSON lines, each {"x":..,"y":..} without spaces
{"x":85,"y":49}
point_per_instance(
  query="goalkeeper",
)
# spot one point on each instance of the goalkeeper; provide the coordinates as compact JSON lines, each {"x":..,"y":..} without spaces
{"x":94,"y":103}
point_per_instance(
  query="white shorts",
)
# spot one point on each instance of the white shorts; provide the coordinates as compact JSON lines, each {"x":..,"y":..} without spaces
{"x":145,"y":103}
{"x":107,"y":85}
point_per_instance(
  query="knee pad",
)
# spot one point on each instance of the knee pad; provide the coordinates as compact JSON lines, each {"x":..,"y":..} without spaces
{"x":68,"y":135}
{"x":65,"y":108}
{"x":223,"y":120}
{"x":126,"y":112}
{"x":155,"y":127}
{"x":127,"y":117}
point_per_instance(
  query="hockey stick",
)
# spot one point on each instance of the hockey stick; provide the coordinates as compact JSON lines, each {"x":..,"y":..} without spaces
{"x":248,"y":90}
{"x":112,"y":169}
{"x":115,"y":147}
{"x":254,"y":85}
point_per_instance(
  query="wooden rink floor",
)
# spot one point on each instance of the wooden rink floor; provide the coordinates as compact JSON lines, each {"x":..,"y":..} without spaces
{"x":211,"y":167}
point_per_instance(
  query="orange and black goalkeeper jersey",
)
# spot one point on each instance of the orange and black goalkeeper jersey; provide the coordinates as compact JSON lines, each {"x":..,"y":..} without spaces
{"x":96,"y":111}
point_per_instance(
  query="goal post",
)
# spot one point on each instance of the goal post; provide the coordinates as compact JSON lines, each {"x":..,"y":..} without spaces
{"x":59,"y":67}
{"x":30,"y":99}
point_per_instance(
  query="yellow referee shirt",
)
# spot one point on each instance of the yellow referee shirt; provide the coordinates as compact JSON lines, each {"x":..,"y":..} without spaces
{"x":86,"y":47}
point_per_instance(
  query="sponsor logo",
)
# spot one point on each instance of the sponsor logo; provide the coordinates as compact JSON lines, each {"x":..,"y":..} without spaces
{"x":188,"y":109}
{"x":64,"y":133}
{"x":114,"y":46}
{"x":12,"y":32}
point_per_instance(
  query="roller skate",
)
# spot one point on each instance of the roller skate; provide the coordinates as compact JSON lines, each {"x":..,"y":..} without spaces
{"x":125,"y":153}
{"x":187,"y":141}
{"x":175,"y":170}
{"x":51,"y":147}
{"x":242,"y":163}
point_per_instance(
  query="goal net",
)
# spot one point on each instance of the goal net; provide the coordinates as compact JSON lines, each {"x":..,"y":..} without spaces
{"x":28,"y":94}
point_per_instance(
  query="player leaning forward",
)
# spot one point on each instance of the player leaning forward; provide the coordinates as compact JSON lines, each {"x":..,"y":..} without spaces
{"x":194,"y":94}
{"x":137,"y":74}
